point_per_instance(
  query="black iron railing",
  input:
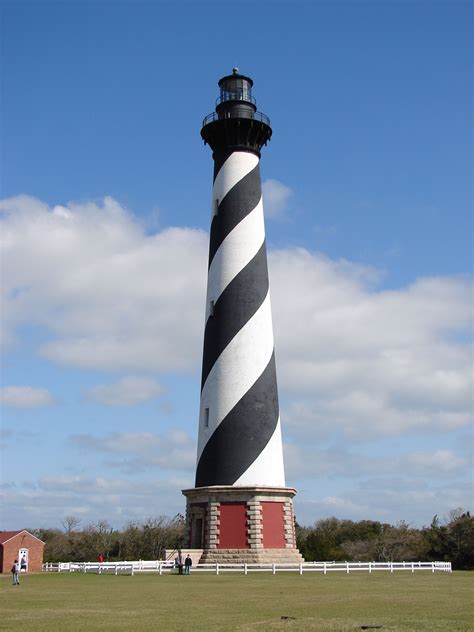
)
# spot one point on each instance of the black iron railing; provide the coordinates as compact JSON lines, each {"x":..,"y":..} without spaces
{"x":256,"y":116}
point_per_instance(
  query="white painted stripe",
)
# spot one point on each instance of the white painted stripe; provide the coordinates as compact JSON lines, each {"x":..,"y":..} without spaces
{"x":234,"y":253}
{"x":236,"y":167}
{"x":267,"y":469}
{"x":236,"y":370}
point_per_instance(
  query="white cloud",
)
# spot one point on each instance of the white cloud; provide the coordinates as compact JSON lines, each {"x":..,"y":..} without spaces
{"x":364,"y":362}
{"x":304,"y":461}
{"x":132,"y":451}
{"x":45,"y":502}
{"x":128,"y":391}
{"x":276,"y":196}
{"x":112,"y":296}
{"x":439,"y":463}
{"x":386,"y":500}
{"x":25,"y":397}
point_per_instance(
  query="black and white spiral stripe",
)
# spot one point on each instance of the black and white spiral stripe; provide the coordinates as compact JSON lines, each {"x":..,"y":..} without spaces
{"x":239,"y":429}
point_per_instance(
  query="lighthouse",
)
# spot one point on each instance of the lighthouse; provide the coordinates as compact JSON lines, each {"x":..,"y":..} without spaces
{"x":240,"y":508}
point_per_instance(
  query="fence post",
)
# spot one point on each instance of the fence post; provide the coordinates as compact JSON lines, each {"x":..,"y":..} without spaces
{"x":133,"y":570}
{"x":160,"y":569}
{"x":391,"y":567}
{"x":324,"y":566}
{"x":217,"y":568}
{"x":370,"y":567}
{"x":273,"y":568}
{"x":432,"y":567}
{"x":301,"y":568}
{"x":245,"y":569}
{"x":412,"y":567}
{"x":347,"y":567}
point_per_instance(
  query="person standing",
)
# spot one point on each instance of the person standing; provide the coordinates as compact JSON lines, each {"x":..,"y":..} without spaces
{"x":100,"y":558}
{"x":179,"y":560}
{"x":187,"y":564}
{"x":16,"y":573}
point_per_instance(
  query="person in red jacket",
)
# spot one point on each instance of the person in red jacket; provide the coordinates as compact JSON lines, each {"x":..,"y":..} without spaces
{"x":100,"y":558}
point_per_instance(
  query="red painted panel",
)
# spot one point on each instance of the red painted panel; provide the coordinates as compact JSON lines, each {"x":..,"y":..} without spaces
{"x":273,"y":525}
{"x":233,"y":526}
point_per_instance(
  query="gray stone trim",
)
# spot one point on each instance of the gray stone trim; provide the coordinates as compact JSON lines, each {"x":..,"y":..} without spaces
{"x":212,"y":524}
{"x":254,"y":524}
{"x":290,"y":540}
{"x":231,"y":493}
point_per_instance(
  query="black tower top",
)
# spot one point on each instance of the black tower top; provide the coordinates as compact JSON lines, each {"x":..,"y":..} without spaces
{"x":236,"y":125}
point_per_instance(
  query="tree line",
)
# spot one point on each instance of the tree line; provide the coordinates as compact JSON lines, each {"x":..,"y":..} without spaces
{"x":329,"y":539}
{"x":136,"y":541}
{"x":368,"y":540}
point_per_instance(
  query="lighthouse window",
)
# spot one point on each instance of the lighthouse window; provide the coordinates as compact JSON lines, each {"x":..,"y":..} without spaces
{"x":211,"y":308}
{"x":206,"y":418}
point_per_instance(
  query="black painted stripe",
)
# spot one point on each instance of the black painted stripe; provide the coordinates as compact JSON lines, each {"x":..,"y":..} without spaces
{"x":242,"y":434}
{"x":219,"y":159}
{"x":237,"y":204}
{"x":235,"y":306}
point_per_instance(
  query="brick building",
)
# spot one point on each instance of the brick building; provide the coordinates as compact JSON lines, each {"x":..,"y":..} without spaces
{"x":17,"y":544}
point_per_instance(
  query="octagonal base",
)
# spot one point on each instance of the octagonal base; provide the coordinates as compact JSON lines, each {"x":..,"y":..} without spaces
{"x":242,"y":524}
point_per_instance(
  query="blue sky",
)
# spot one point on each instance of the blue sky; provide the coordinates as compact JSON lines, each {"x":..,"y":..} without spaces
{"x":105,"y":193}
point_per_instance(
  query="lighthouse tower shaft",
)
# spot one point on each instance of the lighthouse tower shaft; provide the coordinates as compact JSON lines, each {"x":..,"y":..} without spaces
{"x":240,"y":501}
{"x":239,"y":430}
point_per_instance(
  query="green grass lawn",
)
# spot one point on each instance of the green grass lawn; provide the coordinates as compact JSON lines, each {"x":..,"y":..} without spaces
{"x":398,"y":601}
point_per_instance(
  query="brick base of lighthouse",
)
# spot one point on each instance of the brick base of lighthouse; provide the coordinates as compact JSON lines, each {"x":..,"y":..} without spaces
{"x":242,"y":524}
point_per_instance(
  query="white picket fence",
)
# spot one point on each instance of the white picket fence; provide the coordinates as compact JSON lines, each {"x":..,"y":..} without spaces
{"x":161,"y":567}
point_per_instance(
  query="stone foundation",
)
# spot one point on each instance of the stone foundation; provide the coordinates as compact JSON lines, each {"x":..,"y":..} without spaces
{"x":242,"y":524}
{"x":249,"y":556}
